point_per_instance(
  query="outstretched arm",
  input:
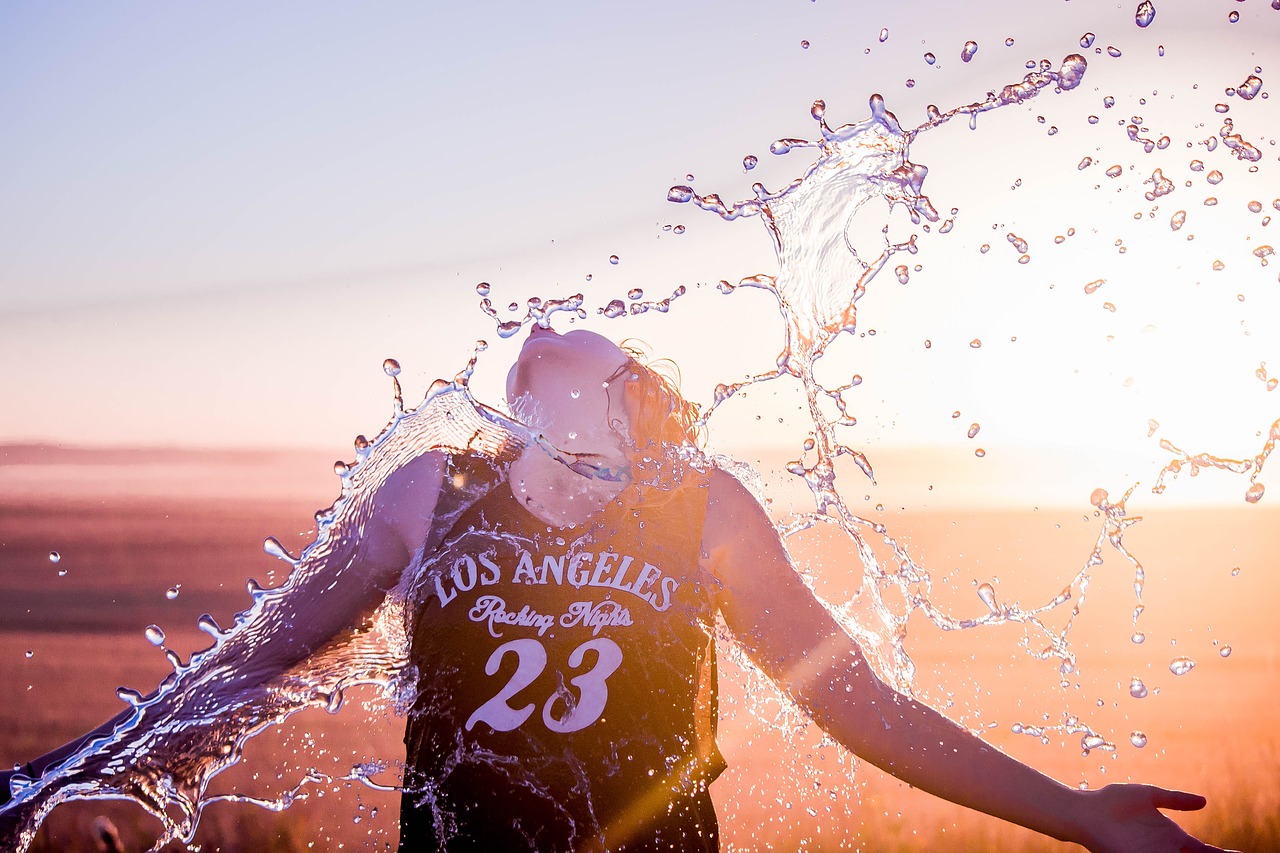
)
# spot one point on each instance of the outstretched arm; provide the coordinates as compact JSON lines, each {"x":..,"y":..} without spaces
{"x":793,"y":638}
{"x":341,"y":582}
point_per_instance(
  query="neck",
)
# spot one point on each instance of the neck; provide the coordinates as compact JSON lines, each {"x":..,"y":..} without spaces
{"x":563,"y":488}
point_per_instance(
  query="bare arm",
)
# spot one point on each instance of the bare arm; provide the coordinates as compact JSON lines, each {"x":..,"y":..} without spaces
{"x":792,"y":637}
{"x":336,"y":589}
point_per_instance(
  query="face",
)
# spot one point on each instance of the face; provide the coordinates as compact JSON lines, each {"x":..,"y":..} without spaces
{"x":569,"y":387}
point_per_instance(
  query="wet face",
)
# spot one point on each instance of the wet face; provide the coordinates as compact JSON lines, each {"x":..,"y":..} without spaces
{"x":569,"y":388}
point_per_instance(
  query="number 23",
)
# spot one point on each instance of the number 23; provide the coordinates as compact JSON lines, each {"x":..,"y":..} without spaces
{"x":531,"y":660}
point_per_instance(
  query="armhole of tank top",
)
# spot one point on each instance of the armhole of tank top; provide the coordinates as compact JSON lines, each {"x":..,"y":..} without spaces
{"x":468,"y":479}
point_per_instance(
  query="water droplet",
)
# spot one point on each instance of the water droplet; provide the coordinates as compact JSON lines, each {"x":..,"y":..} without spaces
{"x":1093,"y":286}
{"x":1113,"y":51}
{"x":1008,"y":42}
{"x":884,"y":34}
{"x":681,"y":195}
{"x":129,"y":696}
{"x":1138,"y":638}
{"x":154,"y":635}
{"x":1233,"y":18}
{"x":54,"y":557}
{"x":804,"y":44}
{"x":391,"y":367}
{"x":1214,"y":177}
{"x":1255,"y":207}
{"x":930,"y":58}
{"x":980,"y":453}
{"x":1085,"y":163}
{"x":973,"y":430}
{"x":341,"y":468}
{"x":1178,"y":219}
{"x":1235,"y":571}
{"x":910,"y":84}
{"x":172,"y":592}
{"x":1115,"y":171}
{"x":969,"y":50}
{"x":575,"y":393}
{"x":271,"y":545}
{"x":1248,"y":90}
{"x":1086,"y":40}
{"x":1225,"y":652}
{"x":902,"y":273}
{"x":1090,"y":742}
{"x":482,"y":288}
{"x":1145,"y":14}
{"x":613,"y":259}
{"x":1138,"y":739}
{"x":748,"y":163}
{"x":1254,"y":493}
{"x":1181,"y":665}
{"x":988,"y":595}
{"x":1109,"y":101}
{"x":975,"y":343}
{"x":30,"y":654}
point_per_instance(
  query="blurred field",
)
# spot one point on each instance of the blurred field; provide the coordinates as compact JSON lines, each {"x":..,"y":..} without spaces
{"x":133,"y":526}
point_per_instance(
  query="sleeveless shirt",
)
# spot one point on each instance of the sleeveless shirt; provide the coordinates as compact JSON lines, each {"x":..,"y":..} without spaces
{"x":565,"y":680}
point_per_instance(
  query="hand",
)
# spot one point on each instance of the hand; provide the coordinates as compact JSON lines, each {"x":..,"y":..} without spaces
{"x":1127,"y":819}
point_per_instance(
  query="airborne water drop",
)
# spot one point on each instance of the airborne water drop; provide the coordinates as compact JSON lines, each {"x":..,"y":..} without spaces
{"x":1145,"y":14}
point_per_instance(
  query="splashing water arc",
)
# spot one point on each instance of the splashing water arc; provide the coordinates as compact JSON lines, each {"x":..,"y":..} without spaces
{"x":195,"y":725}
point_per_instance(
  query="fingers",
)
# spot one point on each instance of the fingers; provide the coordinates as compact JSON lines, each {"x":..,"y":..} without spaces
{"x":1177,"y":800}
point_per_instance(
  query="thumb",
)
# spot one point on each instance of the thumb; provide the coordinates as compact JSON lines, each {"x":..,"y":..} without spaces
{"x":1177,"y":800}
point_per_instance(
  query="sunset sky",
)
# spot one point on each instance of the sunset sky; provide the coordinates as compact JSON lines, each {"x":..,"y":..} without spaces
{"x":220,"y":220}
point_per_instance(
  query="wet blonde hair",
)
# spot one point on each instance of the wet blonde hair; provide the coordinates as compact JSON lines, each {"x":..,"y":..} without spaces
{"x":656,"y":411}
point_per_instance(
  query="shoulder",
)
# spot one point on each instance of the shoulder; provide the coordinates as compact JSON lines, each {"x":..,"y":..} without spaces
{"x":734,"y":515}
{"x":727,"y":497}
{"x":405,"y":504}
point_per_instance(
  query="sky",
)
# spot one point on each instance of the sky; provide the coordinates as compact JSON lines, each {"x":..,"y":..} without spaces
{"x":220,"y":219}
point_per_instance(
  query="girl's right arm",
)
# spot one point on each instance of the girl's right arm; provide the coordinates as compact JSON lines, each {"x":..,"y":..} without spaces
{"x":333,"y":591}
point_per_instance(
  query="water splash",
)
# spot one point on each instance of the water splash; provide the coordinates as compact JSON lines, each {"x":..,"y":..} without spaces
{"x":864,"y":169}
{"x":175,"y":739}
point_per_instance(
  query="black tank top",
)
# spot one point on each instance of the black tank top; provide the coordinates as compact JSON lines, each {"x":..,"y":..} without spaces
{"x":566,"y":681}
